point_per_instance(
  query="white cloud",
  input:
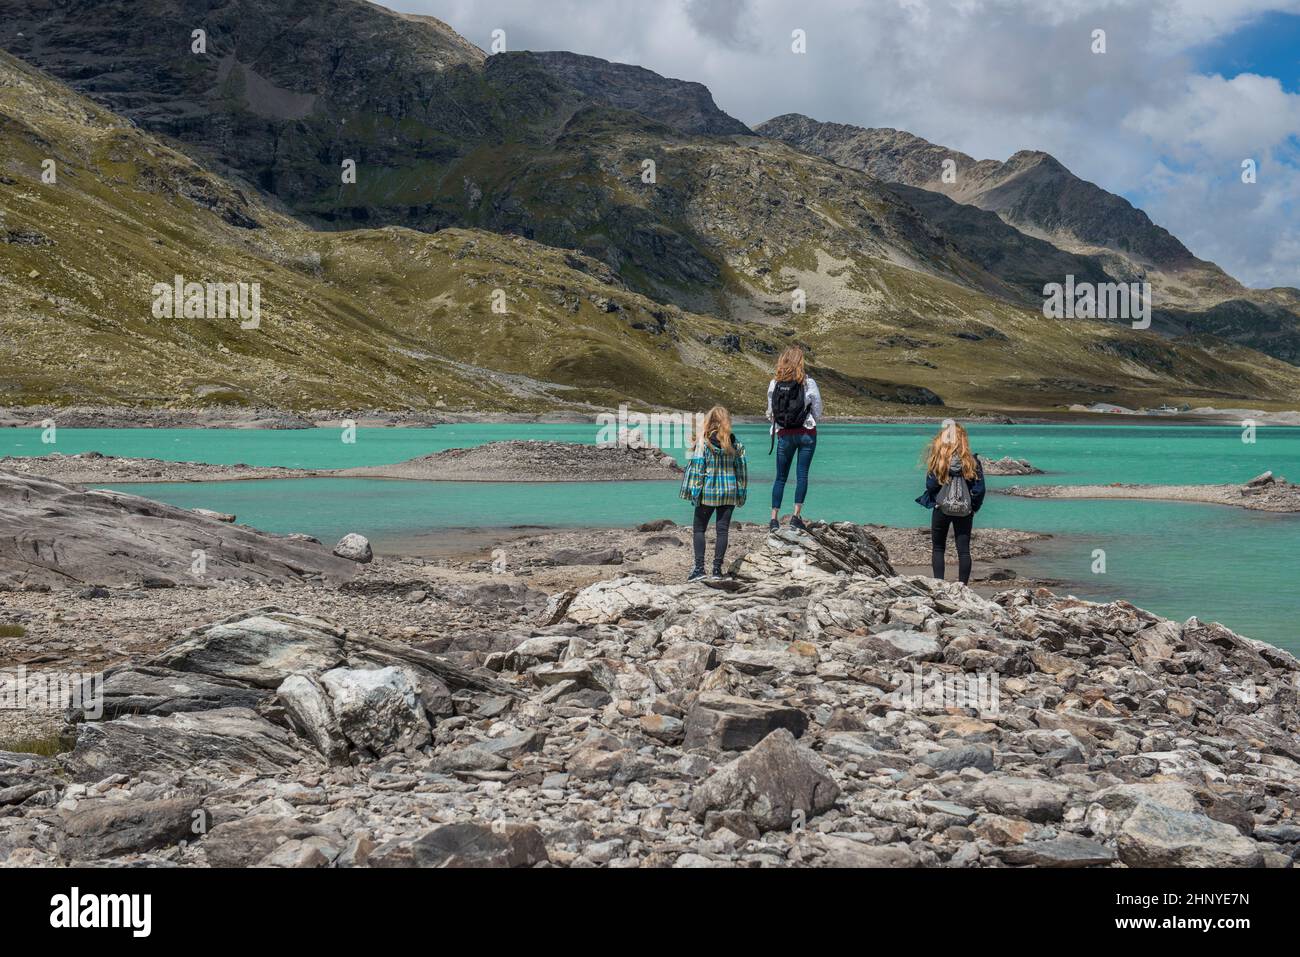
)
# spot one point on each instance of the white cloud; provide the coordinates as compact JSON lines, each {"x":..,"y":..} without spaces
{"x":987,"y":77}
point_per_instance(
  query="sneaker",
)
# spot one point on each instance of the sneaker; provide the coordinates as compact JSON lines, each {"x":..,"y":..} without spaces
{"x":695,"y":575}
{"x":797,"y":522}
{"x":717,"y":572}
{"x":774,"y":526}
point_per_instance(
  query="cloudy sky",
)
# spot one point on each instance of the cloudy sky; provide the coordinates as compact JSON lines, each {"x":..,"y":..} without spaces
{"x":1186,"y":90}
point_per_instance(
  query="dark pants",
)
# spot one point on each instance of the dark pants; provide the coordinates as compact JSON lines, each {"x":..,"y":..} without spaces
{"x":939,"y":526}
{"x":702,"y":515}
{"x":788,"y":449}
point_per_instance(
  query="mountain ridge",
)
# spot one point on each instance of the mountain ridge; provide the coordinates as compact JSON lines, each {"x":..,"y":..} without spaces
{"x":657,"y":290}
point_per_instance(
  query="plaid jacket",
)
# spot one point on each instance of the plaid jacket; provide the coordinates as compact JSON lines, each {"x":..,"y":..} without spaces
{"x":715,"y":477}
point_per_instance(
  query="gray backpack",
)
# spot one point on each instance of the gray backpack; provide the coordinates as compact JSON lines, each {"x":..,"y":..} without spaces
{"x":954,"y":498}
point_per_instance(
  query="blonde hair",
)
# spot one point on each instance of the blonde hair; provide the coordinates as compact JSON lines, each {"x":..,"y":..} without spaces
{"x":790,"y":365}
{"x":951,"y":440}
{"x":717,"y":421}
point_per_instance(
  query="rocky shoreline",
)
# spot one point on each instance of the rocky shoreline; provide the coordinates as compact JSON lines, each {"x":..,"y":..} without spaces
{"x":1009,"y":466}
{"x":509,"y":461}
{"x":1264,"y":494}
{"x":814,"y":709}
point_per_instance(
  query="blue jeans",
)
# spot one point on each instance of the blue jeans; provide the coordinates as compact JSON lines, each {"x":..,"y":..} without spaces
{"x":788,"y":447}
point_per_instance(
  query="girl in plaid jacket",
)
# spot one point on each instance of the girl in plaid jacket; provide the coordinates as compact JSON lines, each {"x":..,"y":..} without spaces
{"x":716,"y":481}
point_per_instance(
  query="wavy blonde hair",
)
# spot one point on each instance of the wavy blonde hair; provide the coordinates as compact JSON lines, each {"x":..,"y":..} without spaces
{"x":951,"y":440}
{"x":717,"y":421}
{"x":790,"y":365}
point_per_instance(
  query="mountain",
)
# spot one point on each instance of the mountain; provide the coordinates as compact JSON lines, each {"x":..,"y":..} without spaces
{"x":523,"y":173}
{"x":685,"y":106}
{"x":388,"y":318}
{"x":1038,"y":196}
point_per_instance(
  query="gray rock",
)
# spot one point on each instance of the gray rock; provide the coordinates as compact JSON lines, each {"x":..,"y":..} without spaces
{"x":1279,"y":833}
{"x":1038,"y":801}
{"x":232,"y":741}
{"x":845,"y":853}
{"x":966,"y":756}
{"x":307,"y":707}
{"x":769,"y":784}
{"x":905,"y":645}
{"x":354,"y":548}
{"x":109,"y":828}
{"x":258,"y":649}
{"x":723,"y":723}
{"x":572,"y":556}
{"x":1155,"y":835}
{"x":61,"y":535}
{"x":378,"y":711}
{"x":247,"y":841}
{"x":145,"y":689}
{"x":467,"y":845}
{"x":1066,"y":851}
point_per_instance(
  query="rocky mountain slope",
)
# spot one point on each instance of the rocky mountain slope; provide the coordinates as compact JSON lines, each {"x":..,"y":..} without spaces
{"x":819,"y":710}
{"x":685,"y":106}
{"x":379,"y":318}
{"x":675,"y":292}
{"x":1034,"y":193}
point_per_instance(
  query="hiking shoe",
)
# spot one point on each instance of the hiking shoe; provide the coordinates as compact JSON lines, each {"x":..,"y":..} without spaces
{"x":797,"y":522}
{"x":695,"y":575}
{"x":774,"y":526}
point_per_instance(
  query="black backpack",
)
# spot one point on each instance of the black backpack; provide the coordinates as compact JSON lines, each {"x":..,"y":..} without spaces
{"x":789,"y":406}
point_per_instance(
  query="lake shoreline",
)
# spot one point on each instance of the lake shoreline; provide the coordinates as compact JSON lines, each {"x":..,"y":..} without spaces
{"x":1276,"y":497}
{"x":124,"y":417}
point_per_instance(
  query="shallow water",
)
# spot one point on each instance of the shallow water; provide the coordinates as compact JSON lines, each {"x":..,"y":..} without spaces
{"x":1178,"y":559}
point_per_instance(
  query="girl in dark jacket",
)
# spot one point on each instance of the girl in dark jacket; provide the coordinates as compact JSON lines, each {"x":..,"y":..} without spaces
{"x":949,"y":455}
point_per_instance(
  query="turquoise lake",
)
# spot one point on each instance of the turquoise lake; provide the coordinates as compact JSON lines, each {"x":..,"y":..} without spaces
{"x":1178,"y":559}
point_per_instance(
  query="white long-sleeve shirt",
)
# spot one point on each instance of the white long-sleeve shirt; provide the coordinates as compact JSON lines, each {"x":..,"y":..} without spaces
{"x":812,"y":395}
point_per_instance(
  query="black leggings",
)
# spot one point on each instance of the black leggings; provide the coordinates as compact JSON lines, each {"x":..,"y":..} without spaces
{"x":939,"y":525}
{"x":702,"y":515}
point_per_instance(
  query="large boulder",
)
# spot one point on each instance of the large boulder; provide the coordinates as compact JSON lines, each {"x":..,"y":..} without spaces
{"x":1156,"y":835}
{"x":144,"y":689}
{"x":226,"y":741}
{"x":769,"y":784}
{"x":822,"y":550}
{"x":109,"y":828}
{"x":249,"y":841}
{"x":608,"y":602}
{"x":721,"y":722}
{"x":354,"y":548}
{"x":1039,"y":801}
{"x":258,"y":648}
{"x":378,"y":711}
{"x":467,"y":845}
{"x":307,"y":708}
{"x":57,"y":534}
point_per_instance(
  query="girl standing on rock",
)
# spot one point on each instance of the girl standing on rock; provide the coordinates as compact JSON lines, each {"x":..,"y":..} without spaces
{"x":716,"y":481}
{"x":794,"y":404}
{"x":954,"y":491}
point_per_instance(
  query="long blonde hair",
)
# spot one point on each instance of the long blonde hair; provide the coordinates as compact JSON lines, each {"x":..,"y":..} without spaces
{"x":717,"y":421}
{"x":790,"y":365}
{"x":951,"y":440}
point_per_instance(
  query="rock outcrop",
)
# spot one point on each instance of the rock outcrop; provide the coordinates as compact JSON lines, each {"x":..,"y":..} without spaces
{"x":54,"y":534}
{"x":820,"y":711}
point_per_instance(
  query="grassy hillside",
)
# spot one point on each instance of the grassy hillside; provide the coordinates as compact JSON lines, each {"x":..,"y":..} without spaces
{"x":675,"y":294}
